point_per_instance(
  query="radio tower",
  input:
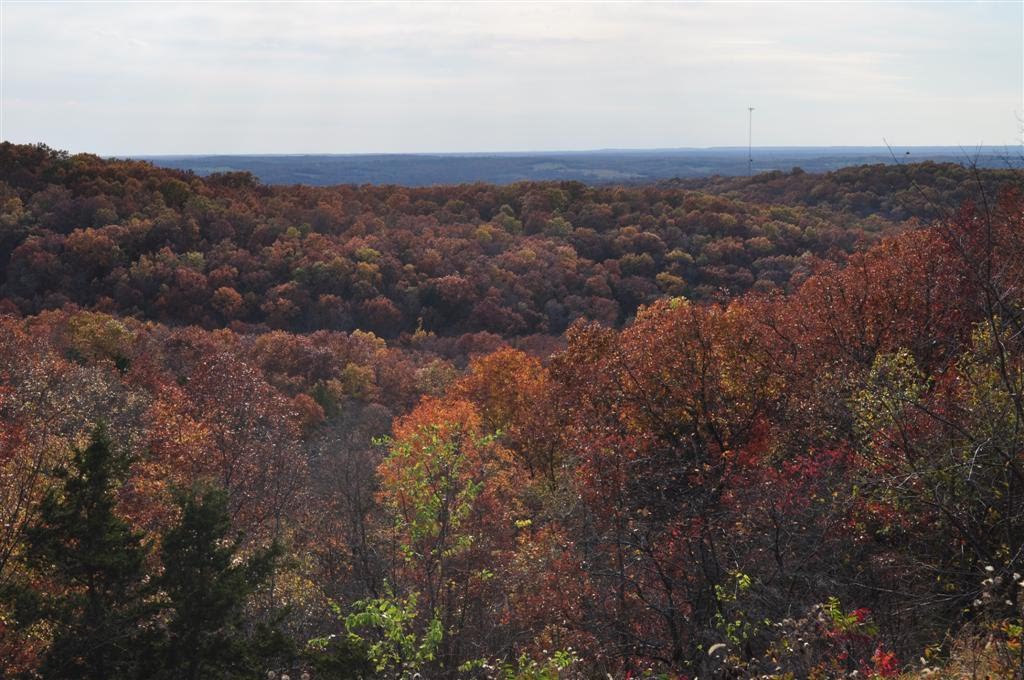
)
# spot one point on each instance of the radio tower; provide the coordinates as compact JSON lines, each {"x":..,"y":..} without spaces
{"x":750,"y":139}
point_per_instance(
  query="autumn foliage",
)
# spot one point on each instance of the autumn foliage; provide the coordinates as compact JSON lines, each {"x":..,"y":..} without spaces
{"x":537,"y":431}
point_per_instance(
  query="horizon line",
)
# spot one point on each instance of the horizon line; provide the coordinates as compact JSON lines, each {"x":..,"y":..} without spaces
{"x":957,"y":148}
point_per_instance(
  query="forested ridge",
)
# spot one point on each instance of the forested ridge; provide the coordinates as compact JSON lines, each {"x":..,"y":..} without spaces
{"x":158,"y":244}
{"x":767,"y":426}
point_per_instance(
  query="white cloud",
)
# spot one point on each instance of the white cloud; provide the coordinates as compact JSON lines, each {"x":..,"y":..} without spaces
{"x":358,"y":77}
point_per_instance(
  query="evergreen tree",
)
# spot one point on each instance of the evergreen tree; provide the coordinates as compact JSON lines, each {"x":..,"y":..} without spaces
{"x":94,"y":566}
{"x":207,"y":584}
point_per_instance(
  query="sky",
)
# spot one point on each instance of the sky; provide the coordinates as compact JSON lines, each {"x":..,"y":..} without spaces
{"x":134,"y":78}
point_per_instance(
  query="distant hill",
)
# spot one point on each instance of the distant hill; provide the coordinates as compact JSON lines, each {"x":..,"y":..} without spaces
{"x":592,"y":167}
{"x":514,"y":261}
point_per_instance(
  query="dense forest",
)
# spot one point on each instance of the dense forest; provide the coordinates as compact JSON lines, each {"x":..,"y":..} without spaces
{"x":720,"y":428}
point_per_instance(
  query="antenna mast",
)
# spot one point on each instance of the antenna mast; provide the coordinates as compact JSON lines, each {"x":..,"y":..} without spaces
{"x":750,"y":140}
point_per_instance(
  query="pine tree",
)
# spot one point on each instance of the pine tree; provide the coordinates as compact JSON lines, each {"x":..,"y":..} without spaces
{"x":207,"y":584}
{"x":95,"y":566}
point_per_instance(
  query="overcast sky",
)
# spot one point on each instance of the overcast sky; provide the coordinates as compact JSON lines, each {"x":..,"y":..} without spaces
{"x":247,"y":77}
